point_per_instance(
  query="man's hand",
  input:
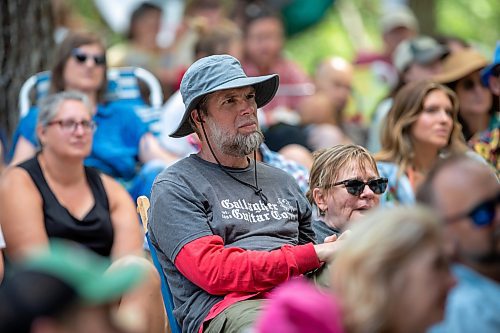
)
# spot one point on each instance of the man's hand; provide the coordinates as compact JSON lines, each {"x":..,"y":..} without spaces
{"x":326,"y":251}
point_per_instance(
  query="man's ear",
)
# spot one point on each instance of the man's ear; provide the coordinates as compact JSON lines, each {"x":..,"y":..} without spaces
{"x":196,"y":116}
{"x":494,"y":83}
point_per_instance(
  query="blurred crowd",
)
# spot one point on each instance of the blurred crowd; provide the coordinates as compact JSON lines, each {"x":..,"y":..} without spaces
{"x":428,"y":261}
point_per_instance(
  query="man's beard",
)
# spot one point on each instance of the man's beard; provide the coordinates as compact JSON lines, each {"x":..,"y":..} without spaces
{"x":490,"y":257}
{"x":237,"y":145}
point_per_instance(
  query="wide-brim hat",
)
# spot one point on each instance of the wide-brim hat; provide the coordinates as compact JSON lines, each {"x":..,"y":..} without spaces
{"x":459,"y":64}
{"x":84,"y":272}
{"x":487,"y":71}
{"x":215,"y":73}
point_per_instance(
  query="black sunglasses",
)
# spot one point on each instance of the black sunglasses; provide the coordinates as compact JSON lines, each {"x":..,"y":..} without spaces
{"x":470,"y":84}
{"x":482,"y":215}
{"x":356,"y":186}
{"x":82,"y":57}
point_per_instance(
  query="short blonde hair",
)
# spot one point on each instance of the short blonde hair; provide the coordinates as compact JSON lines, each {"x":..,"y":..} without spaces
{"x":328,"y":163}
{"x":368,"y":263}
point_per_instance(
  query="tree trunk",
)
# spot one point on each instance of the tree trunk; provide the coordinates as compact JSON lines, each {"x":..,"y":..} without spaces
{"x":26,"y":47}
{"x":425,"y":11}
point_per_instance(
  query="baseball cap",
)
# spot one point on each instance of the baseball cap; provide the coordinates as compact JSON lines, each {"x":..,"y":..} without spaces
{"x":398,"y":16}
{"x":459,"y":64}
{"x":421,"y":50}
{"x":215,"y":73}
{"x":488,"y":70}
{"x":51,"y":280}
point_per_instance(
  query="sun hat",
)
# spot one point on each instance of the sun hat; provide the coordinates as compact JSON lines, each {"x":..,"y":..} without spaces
{"x":219,"y":72}
{"x":459,"y":64}
{"x":421,"y":50}
{"x":398,"y":16}
{"x":487,"y":71}
{"x":49,"y":281}
{"x":84,"y":271}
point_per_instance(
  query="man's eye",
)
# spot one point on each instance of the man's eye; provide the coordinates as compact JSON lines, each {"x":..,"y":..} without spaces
{"x":251,"y":96}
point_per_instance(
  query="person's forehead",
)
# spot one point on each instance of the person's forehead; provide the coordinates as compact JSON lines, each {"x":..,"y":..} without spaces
{"x":357,"y":168}
{"x":459,"y":187}
{"x":233,"y":91}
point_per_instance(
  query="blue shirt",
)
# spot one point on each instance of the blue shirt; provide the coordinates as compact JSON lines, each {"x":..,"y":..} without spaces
{"x":115,"y":148}
{"x":399,"y":189}
{"x":472,"y":306}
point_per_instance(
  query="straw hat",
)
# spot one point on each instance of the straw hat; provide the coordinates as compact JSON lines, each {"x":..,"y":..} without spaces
{"x":460,"y":64}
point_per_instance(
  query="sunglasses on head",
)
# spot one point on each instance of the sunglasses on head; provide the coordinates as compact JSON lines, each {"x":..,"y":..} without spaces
{"x":483,"y":214}
{"x":356,"y":186}
{"x":81,"y":57}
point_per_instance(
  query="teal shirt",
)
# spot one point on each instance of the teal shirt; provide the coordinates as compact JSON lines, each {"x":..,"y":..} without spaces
{"x":472,"y":306}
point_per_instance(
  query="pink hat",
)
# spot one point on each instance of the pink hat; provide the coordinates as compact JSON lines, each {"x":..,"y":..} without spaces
{"x":298,"y":306}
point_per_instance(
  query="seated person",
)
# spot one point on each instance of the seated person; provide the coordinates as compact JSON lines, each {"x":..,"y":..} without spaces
{"x":228,"y":229}
{"x":53,"y":195}
{"x":264,"y":38}
{"x":46,"y":292}
{"x":344,"y":185}
{"x":392,"y":274}
{"x":465,"y":194}
{"x":421,"y":127}
{"x":121,"y":139}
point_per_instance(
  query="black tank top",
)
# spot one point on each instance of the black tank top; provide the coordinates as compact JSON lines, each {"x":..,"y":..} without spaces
{"x":95,"y":231}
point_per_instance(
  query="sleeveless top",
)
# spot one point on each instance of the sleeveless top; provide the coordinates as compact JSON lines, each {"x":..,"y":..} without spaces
{"x":94,"y":231}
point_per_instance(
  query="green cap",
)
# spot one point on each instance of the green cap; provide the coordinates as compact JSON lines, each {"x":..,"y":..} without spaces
{"x":85,"y":272}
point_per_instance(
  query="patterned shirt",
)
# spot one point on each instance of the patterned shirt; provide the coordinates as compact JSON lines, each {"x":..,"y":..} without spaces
{"x":297,"y":171}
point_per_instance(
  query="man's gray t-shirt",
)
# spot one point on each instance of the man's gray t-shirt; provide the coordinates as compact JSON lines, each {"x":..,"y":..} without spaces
{"x":194,"y":198}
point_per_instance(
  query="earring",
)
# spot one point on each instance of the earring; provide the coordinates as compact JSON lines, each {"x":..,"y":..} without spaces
{"x":322,"y":212}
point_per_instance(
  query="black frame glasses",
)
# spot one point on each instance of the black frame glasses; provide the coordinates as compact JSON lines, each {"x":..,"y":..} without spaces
{"x":482,"y":214}
{"x":81,"y":57}
{"x":356,"y":187}
{"x":70,"y":125}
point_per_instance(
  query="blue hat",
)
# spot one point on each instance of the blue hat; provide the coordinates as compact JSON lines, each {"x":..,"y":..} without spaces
{"x":219,"y":72}
{"x":486,"y":72}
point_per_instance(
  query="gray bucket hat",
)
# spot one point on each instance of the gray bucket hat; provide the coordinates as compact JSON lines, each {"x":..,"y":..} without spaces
{"x":219,"y":72}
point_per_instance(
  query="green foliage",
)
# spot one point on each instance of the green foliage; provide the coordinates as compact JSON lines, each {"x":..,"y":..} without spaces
{"x":478,"y":22}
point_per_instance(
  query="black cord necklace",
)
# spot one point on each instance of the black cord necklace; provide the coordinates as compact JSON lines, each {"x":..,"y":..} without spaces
{"x":257,"y":190}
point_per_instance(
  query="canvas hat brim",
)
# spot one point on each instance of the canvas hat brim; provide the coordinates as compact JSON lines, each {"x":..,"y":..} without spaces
{"x":460,"y":64}
{"x":85,"y":272}
{"x":265,"y":88}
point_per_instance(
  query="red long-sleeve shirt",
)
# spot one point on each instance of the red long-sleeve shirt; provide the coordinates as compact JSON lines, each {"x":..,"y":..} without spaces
{"x":241,"y":274}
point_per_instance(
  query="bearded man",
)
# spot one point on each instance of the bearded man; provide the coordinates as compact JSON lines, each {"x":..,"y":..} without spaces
{"x":227,"y":229}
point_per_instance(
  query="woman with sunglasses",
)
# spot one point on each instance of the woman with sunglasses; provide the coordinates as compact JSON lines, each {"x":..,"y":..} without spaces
{"x":53,"y":195}
{"x":121,"y":139}
{"x":344,"y":184}
{"x":478,"y":110}
{"x":421,"y":127}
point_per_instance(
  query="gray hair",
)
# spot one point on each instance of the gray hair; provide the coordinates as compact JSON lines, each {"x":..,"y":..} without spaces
{"x":49,"y":106}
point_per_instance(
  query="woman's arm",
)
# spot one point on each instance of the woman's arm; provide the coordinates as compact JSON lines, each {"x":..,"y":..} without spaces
{"x":22,"y":218}
{"x":23,"y":151}
{"x":150,"y":149}
{"x":128,"y":234}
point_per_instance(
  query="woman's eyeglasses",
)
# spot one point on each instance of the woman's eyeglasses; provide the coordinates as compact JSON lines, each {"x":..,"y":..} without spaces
{"x":70,"y":125}
{"x":356,"y":186}
{"x":81,"y":57}
{"x":482,"y":215}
